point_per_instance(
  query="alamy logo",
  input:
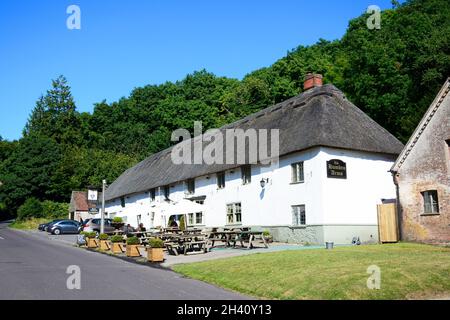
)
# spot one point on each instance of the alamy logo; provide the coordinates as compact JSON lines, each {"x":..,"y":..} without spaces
{"x":74,"y":20}
{"x":374,"y":281}
{"x":374,"y":20}
{"x":228,"y":146}
{"x":74,"y":280}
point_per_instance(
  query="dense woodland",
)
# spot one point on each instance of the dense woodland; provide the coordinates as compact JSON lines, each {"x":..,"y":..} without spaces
{"x":392,"y":74}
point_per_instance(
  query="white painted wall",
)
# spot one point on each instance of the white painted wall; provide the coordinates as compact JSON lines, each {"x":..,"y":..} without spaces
{"x":354,"y":201}
{"x":328,"y":201}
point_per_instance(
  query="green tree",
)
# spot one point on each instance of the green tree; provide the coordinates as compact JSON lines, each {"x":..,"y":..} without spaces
{"x":55,"y":115}
{"x":31,"y":208}
{"x":28,"y":170}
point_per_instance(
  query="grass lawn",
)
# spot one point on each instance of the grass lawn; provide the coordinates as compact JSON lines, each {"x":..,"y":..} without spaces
{"x":407,"y":271}
{"x":29,"y":224}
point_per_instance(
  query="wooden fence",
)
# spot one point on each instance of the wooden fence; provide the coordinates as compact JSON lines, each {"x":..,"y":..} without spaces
{"x":387,"y":223}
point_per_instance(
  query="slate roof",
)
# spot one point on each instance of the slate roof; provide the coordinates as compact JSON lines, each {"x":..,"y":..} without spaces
{"x":321,"y":116}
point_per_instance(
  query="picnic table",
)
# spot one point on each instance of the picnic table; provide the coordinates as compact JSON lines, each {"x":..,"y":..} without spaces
{"x":115,"y":232}
{"x":232,"y":236}
{"x":185,"y":243}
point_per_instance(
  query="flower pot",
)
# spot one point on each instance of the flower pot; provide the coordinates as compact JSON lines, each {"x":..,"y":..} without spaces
{"x":92,"y":243}
{"x":155,"y":254}
{"x":132,"y":250}
{"x":117,"y":247}
{"x":104,"y":245}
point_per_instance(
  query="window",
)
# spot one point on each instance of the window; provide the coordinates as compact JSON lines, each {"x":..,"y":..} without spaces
{"x":198,"y":216}
{"x":152,"y":219}
{"x":166,"y":192}
{"x":297,"y":172}
{"x":152,"y":194}
{"x":190,"y":186}
{"x":221,"y":180}
{"x":430,"y":201}
{"x":234,"y":214}
{"x":298,"y":215}
{"x":246,"y":173}
{"x":122,"y":202}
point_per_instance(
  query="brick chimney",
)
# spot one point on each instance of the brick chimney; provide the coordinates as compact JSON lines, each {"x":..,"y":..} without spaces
{"x":312,"y":80}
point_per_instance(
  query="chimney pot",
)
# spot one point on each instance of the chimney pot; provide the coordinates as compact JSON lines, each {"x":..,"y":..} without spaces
{"x":312,"y":80}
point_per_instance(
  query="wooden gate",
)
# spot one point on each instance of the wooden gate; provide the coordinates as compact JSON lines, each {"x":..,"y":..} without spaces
{"x":387,"y":223}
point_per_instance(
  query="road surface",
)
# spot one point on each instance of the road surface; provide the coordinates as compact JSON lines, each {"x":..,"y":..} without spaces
{"x":34,"y":266}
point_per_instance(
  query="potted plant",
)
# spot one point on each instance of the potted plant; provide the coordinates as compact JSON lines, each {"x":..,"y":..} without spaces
{"x":267,"y":236}
{"x":132,"y":247}
{"x":104,"y":243}
{"x":91,"y":240}
{"x":155,"y":252}
{"x":117,"y":244}
{"x":117,"y":222}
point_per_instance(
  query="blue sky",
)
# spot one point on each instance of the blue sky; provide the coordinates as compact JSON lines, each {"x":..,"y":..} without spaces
{"x":125,"y":44}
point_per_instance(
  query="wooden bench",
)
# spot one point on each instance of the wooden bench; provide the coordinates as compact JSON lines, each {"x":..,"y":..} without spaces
{"x":172,"y":247}
{"x":200,"y":244}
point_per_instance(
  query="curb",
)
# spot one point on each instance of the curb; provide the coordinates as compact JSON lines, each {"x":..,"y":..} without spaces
{"x":154,"y":265}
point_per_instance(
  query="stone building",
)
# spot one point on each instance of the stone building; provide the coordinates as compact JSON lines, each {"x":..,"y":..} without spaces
{"x":80,"y":208}
{"x":422,"y":176}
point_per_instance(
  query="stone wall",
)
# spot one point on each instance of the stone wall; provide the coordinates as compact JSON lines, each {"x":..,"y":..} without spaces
{"x":427,"y":167}
{"x":319,"y":234}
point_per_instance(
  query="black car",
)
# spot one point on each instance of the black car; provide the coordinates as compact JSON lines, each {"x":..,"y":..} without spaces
{"x":65,"y":226}
{"x":43,"y":226}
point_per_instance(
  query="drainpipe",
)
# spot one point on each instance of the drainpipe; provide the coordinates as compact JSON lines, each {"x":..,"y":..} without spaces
{"x":398,"y":209}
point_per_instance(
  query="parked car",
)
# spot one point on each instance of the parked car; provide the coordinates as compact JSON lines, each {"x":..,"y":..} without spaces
{"x":43,"y":226}
{"x":65,"y":226}
{"x":93,"y":225}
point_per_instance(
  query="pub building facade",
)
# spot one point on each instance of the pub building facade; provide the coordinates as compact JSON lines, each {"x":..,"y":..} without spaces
{"x":333,"y":170}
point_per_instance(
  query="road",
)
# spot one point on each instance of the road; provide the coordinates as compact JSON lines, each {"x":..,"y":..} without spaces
{"x":34,"y":266}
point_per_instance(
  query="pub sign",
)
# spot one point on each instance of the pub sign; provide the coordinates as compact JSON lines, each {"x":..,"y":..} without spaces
{"x":336,"y":169}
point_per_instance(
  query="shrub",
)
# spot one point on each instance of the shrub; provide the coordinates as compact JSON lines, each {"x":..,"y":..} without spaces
{"x":31,"y":208}
{"x":103,"y":236}
{"x":117,"y":220}
{"x":266,"y":233}
{"x":90,"y":235}
{"x":53,"y":209}
{"x":182,"y":223}
{"x":133,"y":240}
{"x":84,"y":233}
{"x":156,"y":243}
{"x":116,"y":238}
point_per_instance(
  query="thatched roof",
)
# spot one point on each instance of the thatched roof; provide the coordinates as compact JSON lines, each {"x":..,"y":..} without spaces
{"x":318,"y":117}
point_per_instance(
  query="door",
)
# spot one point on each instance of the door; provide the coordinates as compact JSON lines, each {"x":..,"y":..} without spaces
{"x":387,"y":223}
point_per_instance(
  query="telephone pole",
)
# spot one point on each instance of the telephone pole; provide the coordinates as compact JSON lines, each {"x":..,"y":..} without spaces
{"x":102,"y":223}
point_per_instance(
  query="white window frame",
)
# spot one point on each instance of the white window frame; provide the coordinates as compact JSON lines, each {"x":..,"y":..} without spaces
{"x":298,"y":172}
{"x":297,"y":215}
{"x":192,"y":218}
{"x":234,"y":210}
{"x":430,"y":204}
